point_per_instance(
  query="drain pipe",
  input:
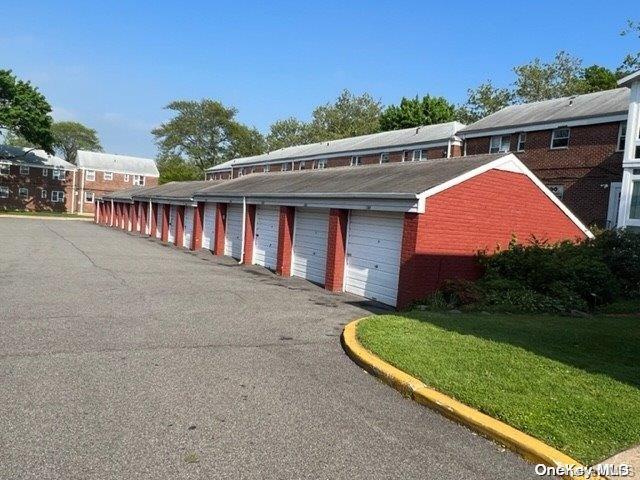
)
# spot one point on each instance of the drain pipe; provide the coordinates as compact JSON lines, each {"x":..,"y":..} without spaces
{"x":244,"y":219}
{"x":111,"y":215}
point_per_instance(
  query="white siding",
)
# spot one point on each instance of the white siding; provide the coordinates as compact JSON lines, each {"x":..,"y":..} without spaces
{"x":233,"y":232}
{"x":173,"y":213}
{"x":209,"y":225}
{"x":265,"y":247}
{"x":374,"y":241}
{"x":188,"y":227}
{"x":311,"y":227}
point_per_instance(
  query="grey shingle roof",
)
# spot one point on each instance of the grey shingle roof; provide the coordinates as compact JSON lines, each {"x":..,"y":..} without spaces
{"x":598,"y":104}
{"x":117,"y":163}
{"x":182,"y":191}
{"x":126,"y":194}
{"x":441,"y":132}
{"x":33,"y":157}
{"x":629,"y":79}
{"x":381,"y":180}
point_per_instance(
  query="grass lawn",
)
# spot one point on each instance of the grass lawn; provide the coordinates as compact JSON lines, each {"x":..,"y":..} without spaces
{"x":40,"y":214}
{"x":572,"y":382}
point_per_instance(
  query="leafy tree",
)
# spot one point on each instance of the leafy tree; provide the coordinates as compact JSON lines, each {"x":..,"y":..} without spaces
{"x":69,"y":137}
{"x":205,"y":133}
{"x":414,"y":112}
{"x":176,"y":169}
{"x":287,"y":133}
{"x":11,"y":138}
{"x":630,"y":63}
{"x":24,"y":111}
{"x":484,"y":100}
{"x":596,"y":78}
{"x":537,"y":81}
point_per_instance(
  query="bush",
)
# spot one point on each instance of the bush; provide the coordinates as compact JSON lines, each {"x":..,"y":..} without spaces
{"x":620,"y":251}
{"x":458,"y":292}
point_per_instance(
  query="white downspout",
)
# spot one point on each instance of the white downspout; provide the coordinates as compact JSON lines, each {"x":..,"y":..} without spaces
{"x":73,"y":192}
{"x":149,"y":213}
{"x":82,"y":193}
{"x":449,"y":148}
{"x":244,"y":218}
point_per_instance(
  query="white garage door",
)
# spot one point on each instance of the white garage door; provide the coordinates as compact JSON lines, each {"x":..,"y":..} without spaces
{"x":310,"y":244}
{"x":172,"y":223}
{"x":209,"y":226}
{"x":187,"y":236}
{"x":233,"y":232}
{"x":159,"y":207}
{"x":373,"y":255}
{"x":265,"y":247}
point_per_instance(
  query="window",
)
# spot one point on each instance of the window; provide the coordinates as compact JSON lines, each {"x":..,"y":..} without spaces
{"x":126,"y":178}
{"x":58,"y":175}
{"x":416,"y":155}
{"x":522,"y":141}
{"x":45,"y":172}
{"x":23,"y":193}
{"x":322,"y":164}
{"x":622,"y":136}
{"x":286,"y":167}
{"x":500,"y":144}
{"x":5,"y":169}
{"x":4,"y":191}
{"x":266,"y":168}
{"x":356,"y":161}
{"x":560,"y":138}
{"x":43,"y":194}
{"x":24,"y":170}
{"x":57,"y":196}
{"x":138,"y":180}
{"x":88,"y":197}
{"x":108,"y":176}
{"x":90,"y":175}
{"x":384,"y":157}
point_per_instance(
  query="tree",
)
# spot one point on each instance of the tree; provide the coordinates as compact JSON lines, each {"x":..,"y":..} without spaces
{"x":25,"y":112}
{"x":287,"y":133}
{"x":349,"y":116}
{"x":537,"y":81}
{"x":205,"y":133}
{"x":414,"y":112}
{"x":631,"y":62}
{"x":176,"y":169}
{"x":484,"y":100}
{"x":69,"y":137}
{"x":596,"y":78}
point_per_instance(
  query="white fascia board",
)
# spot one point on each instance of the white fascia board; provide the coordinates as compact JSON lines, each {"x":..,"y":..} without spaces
{"x":122,"y":172}
{"x":30,"y":165}
{"x":188,"y":203}
{"x":545,"y":126}
{"x":509,"y":163}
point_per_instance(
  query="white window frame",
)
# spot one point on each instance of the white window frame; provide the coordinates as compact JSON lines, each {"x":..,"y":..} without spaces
{"x":24,"y":170}
{"x":126,"y":177}
{"x":553,"y":138}
{"x":5,"y":168}
{"x":43,"y":194}
{"x":58,"y":174}
{"x":57,"y":196}
{"x":107,"y":176}
{"x":622,"y":136}
{"x":90,"y":175}
{"x":45,"y":172}
{"x":23,"y":192}
{"x":500,"y":141}
{"x":522,"y":142}
{"x":356,"y":161}
{"x":4,"y":191}
{"x":384,"y":157}
{"x":139,"y":180}
{"x":89,"y":197}
{"x":416,"y":155}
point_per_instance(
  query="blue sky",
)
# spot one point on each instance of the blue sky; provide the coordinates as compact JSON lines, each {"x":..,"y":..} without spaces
{"x":114,"y":67}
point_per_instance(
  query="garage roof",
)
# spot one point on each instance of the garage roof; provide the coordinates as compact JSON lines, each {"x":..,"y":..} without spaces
{"x":398,"y":180}
{"x":123,"y":195}
{"x":182,"y":191}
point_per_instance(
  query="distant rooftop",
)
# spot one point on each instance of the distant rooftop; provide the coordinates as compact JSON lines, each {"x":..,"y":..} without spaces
{"x":27,"y":156}
{"x":439,"y":133}
{"x":117,"y":163}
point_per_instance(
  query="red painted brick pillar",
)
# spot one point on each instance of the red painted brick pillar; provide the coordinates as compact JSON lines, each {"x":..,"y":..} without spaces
{"x":178,"y":241}
{"x":143,"y":217}
{"x":198,"y":220}
{"x":125,"y":216}
{"x":406,"y":278}
{"x":249,"y":230}
{"x":285,"y":241}
{"x":116,"y":215}
{"x":96,"y":213}
{"x":165,"y":222}
{"x":134,"y":216}
{"x":221,"y":217}
{"x":336,"y":249}
{"x":153,"y":216}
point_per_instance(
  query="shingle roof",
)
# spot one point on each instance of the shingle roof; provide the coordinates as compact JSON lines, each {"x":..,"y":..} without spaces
{"x":629,"y":79}
{"x":117,"y":163}
{"x":381,"y":180}
{"x":126,"y":194}
{"x":33,"y":157}
{"x":441,"y":132}
{"x":598,"y":104}
{"x":174,"y":190}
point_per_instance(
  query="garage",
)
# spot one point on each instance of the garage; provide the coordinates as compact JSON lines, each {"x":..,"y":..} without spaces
{"x":158,"y":219}
{"x":187,"y":236}
{"x":173,"y":213}
{"x":233,"y":232}
{"x":374,"y":241}
{"x":311,"y":227}
{"x":209,"y":226}
{"x":265,"y":247}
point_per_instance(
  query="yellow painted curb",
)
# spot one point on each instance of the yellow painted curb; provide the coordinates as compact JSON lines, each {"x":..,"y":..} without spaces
{"x":46,"y":217}
{"x":530,"y":448}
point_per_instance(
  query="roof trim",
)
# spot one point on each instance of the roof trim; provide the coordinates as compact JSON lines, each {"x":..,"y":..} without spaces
{"x":629,"y":79}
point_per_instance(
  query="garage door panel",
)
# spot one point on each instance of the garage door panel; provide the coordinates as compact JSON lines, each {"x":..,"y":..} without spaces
{"x":310,"y":244}
{"x":188,"y":227}
{"x":265,"y":250}
{"x":368,"y":287}
{"x":375,"y":254}
{"x":208,"y":226}
{"x":233,"y":232}
{"x":158,"y":220}
{"x":173,"y":211}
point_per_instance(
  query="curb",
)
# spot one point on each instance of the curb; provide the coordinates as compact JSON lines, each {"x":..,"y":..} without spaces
{"x":43,"y":217}
{"x":528,"y":447}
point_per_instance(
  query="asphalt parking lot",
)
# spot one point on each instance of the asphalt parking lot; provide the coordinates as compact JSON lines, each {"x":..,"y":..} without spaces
{"x":121,"y":358}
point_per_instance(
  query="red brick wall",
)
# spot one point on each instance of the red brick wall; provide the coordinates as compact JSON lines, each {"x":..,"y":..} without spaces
{"x":36,"y":182}
{"x":478,"y":214}
{"x":285,"y":241}
{"x":100,"y":186}
{"x":218,"y":240}
{"x":336,"y":247}
{"x":165,"y":222}
{"x":249,"y":229}
{"x":585,"y":168}
{"x":178,"y":241}
{"x":198,"y":220}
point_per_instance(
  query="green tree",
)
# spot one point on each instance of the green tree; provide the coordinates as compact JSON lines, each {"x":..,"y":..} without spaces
{"x":484,"y":100}
{"x":596,"y":78}
{"x":537,"y":81}
{"x":414,"y":112}
{"x":631,"y":62}
{"x":205,"y":133}
{"x":348,"y":116}
{"x":287,"y":133}
{"x":176,"y":169}
{"x":24,"y":111}
{"x":69,"y":137}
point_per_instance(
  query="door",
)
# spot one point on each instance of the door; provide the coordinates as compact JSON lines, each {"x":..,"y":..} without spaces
{"x":374,"y":241}
{"x":614,"y":204}
{"x":159,"y":208}
{"x":309,"y":261}
{"x":233,"y":232}
{"x":209,"y":225}
{"x":173,"y":213}
{"x":265,"y":246}
{"x":187,"y":236}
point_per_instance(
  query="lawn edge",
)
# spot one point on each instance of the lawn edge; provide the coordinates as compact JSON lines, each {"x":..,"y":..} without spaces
{"x":48,"y":217}
{"x":528,"y":447}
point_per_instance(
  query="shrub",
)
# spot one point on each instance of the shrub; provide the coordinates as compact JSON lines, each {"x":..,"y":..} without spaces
{"x":620,"y":251}
{"x":457,"y":292}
